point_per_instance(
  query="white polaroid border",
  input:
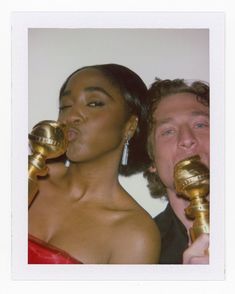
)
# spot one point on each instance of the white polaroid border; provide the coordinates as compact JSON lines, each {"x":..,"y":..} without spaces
{"x":21,"y":22}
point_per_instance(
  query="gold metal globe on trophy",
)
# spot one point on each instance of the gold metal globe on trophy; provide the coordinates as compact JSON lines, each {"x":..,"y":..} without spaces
{"x":47,"y":140}
{"x":191,"y":178}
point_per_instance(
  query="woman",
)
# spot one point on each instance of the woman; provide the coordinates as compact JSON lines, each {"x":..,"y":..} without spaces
{"x":81,"y":212}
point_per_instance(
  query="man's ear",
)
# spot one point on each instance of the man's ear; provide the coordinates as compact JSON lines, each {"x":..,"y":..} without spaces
{"x":152,"y":169}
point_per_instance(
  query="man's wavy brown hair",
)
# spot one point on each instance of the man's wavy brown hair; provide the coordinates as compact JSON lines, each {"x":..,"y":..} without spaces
{"x":157,"y":91}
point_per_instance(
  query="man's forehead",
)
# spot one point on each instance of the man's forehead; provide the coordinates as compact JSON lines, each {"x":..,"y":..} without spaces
{"x":179,"y":102}
{"x":160,"y":118}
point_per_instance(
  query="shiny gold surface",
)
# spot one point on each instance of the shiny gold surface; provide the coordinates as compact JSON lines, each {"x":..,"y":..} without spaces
{"x":48,"y":139}
{"x":191,"y":178}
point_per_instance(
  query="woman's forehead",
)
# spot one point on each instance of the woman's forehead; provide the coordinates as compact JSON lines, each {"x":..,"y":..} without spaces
{"x":92,"y":77}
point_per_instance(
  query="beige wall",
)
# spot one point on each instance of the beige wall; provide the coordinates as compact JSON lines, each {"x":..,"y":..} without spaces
{"x":165,"y":53}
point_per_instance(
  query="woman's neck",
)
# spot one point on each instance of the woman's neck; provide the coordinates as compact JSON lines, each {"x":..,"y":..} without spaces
{"x":91,"y":180}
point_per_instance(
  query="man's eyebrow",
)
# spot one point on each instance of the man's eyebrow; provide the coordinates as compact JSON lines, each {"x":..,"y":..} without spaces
{"x":98,"y":89}
{"x":200,"y":112}
{"x":163,"y":121}
{"x":159,"y":122}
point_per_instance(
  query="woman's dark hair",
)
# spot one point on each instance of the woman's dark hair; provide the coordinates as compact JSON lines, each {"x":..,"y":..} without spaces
{"x":157,"y":91}
{"x":134,"y":92}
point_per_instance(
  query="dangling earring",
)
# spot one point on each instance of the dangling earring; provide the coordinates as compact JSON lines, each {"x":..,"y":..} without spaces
{"x":125,"y":152}
{"x":67,"y":163}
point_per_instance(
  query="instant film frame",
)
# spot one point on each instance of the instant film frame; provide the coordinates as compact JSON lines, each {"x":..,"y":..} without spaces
{"x":47,"y":47}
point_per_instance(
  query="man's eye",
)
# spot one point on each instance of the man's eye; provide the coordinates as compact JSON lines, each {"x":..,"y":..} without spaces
{"x":168,"y":132}
{"x":201,"y":125}
{"x":96,"y":104}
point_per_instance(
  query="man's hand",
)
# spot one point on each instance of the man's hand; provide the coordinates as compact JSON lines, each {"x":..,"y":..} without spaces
{"x":198,"y":251}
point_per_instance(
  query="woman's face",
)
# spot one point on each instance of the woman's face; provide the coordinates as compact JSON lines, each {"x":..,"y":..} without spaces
{"x":96,"y":115}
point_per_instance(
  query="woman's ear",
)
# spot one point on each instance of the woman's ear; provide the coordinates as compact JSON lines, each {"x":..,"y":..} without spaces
{"x":131,"y":126}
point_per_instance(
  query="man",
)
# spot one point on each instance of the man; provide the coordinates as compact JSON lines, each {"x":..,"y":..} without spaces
{"x":178,"y":129}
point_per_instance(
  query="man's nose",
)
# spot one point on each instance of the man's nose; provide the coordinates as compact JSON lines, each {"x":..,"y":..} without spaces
{"x":186,"y":138}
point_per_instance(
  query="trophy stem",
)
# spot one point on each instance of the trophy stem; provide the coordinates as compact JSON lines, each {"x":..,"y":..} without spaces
{"x":191,"y":178}
{"x":36,"y":167}
{"x":48,"y":139}
{"x":32,"y":190}
{"x":199,"y":211}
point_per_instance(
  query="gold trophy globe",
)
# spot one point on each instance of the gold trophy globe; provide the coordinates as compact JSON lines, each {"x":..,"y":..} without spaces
{"x":47,"y":140}
{"x":191,"y":179}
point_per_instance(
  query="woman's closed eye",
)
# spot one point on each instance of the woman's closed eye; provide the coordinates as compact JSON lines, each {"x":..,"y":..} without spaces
{"x":63,"y":107}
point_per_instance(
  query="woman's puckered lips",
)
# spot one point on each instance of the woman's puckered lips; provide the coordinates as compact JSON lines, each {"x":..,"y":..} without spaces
{"x":72,"y":134}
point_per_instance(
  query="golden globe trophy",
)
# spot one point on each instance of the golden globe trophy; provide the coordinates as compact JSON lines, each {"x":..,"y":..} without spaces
{"x":48,"y":139}
{"x":191,"y":178}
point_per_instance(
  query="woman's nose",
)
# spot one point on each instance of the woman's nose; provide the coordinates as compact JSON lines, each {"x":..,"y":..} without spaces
{"x":72,"y":115}
{"x":186,"y":138}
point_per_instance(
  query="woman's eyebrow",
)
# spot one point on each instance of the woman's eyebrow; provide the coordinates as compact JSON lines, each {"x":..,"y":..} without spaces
{"x":98,"y":89}
{"x":89,"y":90}
{"x":65,"y":93}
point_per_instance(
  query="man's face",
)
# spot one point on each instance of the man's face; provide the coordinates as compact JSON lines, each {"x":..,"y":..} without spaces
{"x":180,"y":130}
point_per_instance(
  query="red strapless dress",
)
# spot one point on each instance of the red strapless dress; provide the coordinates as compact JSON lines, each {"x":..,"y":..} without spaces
{"x":40,"y":252}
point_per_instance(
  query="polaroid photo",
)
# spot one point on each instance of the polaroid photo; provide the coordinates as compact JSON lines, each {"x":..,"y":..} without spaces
{"x":48,"y":46}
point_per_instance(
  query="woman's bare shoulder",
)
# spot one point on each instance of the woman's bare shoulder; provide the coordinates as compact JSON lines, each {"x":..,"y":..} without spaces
{"x":136,"y":211}
{"x":142,"y":221}
{"x":137,"y":240}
